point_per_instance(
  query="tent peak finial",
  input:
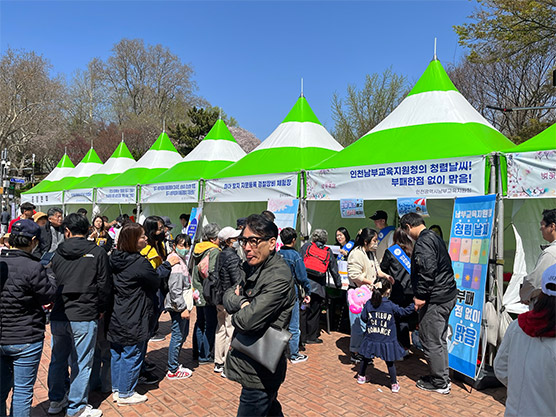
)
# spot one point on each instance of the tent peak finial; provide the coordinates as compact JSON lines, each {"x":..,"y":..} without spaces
{"x":434,"y":56}
{"x":220,"y":113}
{"x":122,"y":136}
{"x":163,"y":125}
{"x":301,"y":87}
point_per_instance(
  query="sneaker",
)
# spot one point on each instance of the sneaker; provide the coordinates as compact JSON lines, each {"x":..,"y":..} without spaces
{"x":206,"y":361}
{"x":428,"y":386}
{"x":56,"y":407}
{"x":427,"y":378}
{"x":223,"y":375}
{"x":157,"y":338}
{"x":147,"y":378}
{"x":355,"y":357}
{"x":136,"y":398}
{"x":87,"y":411}
{"x":317,"y":341}
{"x":298,"y":358}
{"x":218,"y":368}
{"x":181,"y":373}
{"x":115,"y":396}
{"x":361,"y":379}
{"x":396,"y":387}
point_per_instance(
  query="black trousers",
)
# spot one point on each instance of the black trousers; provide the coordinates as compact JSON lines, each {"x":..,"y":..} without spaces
{"x":256,"y":402}
{"x":309,"y":319}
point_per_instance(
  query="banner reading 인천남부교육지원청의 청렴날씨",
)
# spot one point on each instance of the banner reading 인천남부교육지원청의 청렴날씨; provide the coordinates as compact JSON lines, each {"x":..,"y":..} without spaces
{"x":469,"y":250}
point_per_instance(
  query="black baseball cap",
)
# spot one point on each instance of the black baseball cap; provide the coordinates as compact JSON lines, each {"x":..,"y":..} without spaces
{"x":378,"y":215}
{"x":26,"y":228}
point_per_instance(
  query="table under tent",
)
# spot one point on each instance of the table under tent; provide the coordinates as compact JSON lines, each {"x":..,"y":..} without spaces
{"x":272,"y":170}
{"x":177,"y":189}
{"x":531,"y":179}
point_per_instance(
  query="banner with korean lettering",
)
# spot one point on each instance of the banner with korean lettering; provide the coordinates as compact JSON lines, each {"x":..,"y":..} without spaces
{"x":443,"y":178}
{"x":252,"y":188}
{"x":470,"y":239}
{"x":84,"y":196}
{"x":532,"y":174}
{"x":117,"y":195}
{"x":54,"y":198}
{"x":171,"y":192}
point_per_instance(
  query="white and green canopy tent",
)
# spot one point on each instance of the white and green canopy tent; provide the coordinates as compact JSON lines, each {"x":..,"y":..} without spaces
{"x":82,"y":191}
{"x":433,"y":146}
{"x":37,"y":194}
{"x":272,"y":169}
{"x":122,"y":189}
{"x":531,"y":175}
{"x":176,"y":190}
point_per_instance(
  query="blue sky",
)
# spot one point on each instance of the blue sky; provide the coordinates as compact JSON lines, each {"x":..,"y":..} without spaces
{"x":249,"y":56}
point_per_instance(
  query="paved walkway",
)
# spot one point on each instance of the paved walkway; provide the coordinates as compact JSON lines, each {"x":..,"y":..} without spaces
{"x":324,"y":385}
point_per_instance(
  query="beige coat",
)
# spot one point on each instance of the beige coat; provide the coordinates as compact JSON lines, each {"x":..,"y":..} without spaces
{"x":360,"y":267}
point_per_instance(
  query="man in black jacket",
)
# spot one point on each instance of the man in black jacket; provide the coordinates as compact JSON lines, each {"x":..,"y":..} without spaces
{"x":83,"y":279}
{"x":52,"y":233}
{"x":265,"y":297}
{"x":435,"y":291}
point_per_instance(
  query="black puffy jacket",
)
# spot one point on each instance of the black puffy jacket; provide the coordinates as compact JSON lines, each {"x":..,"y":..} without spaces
{"x":135,"y":283}
{"x":24,"y":289}
{"x":83,"y":279}
{"x":432,"y":276}
{"x":230,"y":273}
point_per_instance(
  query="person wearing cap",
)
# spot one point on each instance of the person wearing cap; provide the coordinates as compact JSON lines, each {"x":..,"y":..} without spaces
{"x":52,"y":233}
{"x":25,"y":289}
{"x":385,"y":232}
{"x":27,"y":209}
{"x":525,"y":361}
{"x":531,"y":286}
{"x":40,"y":218}
{"x":229,"y":274}
{"x":169,"y":239}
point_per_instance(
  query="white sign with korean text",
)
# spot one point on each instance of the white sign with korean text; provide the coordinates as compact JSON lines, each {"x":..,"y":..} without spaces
{"x":442,"y":178}
{"x":117,"y":195}
{"x":78,"y":196}
{"x":171,"y":192}
{"x":252,"y":188}
{"x":53,"y":198}
{"x":532,"y":174}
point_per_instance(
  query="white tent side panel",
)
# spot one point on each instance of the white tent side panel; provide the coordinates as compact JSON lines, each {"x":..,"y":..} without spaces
{"x":252,"y":188}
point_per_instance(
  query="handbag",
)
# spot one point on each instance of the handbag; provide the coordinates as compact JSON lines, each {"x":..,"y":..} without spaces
{"x":266,"y":349}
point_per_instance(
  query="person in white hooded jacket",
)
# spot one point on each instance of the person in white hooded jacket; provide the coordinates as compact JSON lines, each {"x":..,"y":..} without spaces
{"x":526,"y":359}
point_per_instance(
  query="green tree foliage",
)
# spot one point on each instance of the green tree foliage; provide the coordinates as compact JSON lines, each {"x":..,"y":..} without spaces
{"x":503,"y":28}
{"x":361,"y":110}
{"x":200,"y":121}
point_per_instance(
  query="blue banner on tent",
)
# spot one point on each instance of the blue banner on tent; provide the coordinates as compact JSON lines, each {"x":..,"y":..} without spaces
{"x":469,"y":250}
{"x":194,"y":219}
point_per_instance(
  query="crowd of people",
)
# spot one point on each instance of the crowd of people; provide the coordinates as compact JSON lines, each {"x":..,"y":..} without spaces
{"x":103,"y":285}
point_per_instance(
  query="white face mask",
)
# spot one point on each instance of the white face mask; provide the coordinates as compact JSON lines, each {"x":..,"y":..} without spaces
{"x":235,"y":244}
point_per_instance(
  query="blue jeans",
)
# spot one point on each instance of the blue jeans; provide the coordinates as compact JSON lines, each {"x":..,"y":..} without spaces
{"x":357,"y":331}
{"x":204,"y":331}
{"x":126,"y":366}
{"x":73,"y":342}
{"x":180,"y":330}
{"x":294,"y":330}
{"x":100,"y":373}
{"x":18,"y":369}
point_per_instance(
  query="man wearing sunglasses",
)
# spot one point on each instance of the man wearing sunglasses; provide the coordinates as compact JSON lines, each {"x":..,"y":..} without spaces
{"x":265,"y":297}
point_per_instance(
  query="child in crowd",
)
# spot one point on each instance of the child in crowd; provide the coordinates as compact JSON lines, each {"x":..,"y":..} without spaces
{"x":179,"y":303}
{"x":380,"y":339}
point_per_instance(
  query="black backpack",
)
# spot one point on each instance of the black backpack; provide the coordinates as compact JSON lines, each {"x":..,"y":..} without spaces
{"x":211,"y":290}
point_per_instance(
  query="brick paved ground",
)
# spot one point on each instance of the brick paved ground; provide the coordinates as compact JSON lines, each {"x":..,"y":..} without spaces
{"x":324,"y":385}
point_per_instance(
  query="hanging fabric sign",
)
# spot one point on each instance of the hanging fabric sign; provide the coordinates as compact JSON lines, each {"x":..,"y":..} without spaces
{"x":469,"y":250}
{"x":53,"y":198}
{"x":412,"y":205}
{"x":171,"y":192}
{"x":78,"y":196}
{"x":117,"y":195}
{"x":194,"y":219}
{"x":252,"y":188}
{"x":431,"y":179}
{"x":532,"y":174}
{"x":352,"y":208}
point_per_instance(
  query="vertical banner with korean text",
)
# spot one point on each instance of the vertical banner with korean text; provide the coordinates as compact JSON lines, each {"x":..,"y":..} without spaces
{"x":470,"y":239}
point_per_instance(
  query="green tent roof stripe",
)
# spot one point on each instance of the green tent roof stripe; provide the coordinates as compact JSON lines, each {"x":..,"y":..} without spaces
{"x":430,"y":141}
{"x":433,"y":79}
{"x":91,"y":157}
{"x":219,"y":132}
{"x":301,"y":112}
{"x":163,"y":143}
{"x":544,"y":141}
{"x":122,"y":151}
{"x":65,"y":162}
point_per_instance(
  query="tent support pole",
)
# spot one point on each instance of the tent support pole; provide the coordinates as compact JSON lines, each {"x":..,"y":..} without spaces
{"x":500,"y":241}
{"x":138,"y":202}
{"x":304,"y":228}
